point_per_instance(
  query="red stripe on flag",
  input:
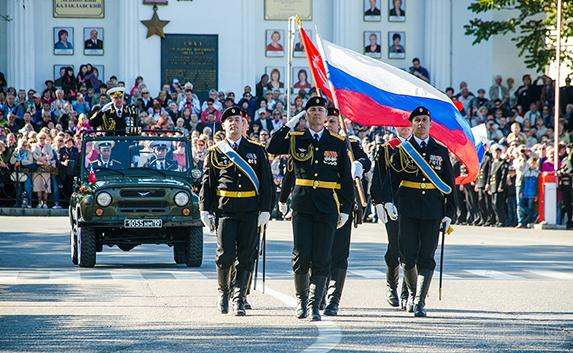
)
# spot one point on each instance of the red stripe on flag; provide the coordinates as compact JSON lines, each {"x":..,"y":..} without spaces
{"x":316,"y":64}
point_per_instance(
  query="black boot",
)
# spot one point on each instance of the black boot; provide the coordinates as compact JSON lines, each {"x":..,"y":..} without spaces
{"x":338,"y":277}
{"x":301,"y":288}
{"x":224,"y":290}
{"x":317,"y":288}
{"x":424,"y":280}
{"x":410,"y":277}
{"x":323,"y":299}
{"x":404,"y":296}
{"x":241,"y":283}
{"x":392,"y":276}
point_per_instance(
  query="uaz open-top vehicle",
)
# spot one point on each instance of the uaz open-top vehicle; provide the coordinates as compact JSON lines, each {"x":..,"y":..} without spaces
{"x":136,"y":190}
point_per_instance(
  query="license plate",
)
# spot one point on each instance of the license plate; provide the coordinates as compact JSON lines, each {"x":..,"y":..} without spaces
{"x":143,"y":223}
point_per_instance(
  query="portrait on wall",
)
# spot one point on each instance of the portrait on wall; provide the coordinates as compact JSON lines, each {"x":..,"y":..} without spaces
{"x":301,"y":78}
{"x":59,"y":73}
{"x":63,"y":41}
{"x":276,"y":78}
{"x":274,"y":43}
{"x":93,"y":41}
{"x":397,"y":45}
{"x":372,"y":10}
{"x":298,"y":49}
{"x":372,"y":46}
{"x":396,"y":10}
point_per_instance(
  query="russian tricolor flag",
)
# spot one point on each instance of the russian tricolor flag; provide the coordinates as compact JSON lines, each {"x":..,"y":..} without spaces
{"x":370,"y":92}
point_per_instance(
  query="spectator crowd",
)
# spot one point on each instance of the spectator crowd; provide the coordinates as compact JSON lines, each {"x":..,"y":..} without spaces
{"x":41,"y":136}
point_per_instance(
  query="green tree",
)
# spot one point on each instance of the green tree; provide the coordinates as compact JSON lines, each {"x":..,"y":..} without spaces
{"x":531,"y":25}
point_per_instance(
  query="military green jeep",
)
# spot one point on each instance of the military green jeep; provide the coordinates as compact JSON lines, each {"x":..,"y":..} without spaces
{"x":136,"y":190}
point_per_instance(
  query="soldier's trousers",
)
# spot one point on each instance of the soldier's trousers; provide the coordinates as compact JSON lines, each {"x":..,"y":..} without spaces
{"x":392,"y":256}
{"x":462,"y":210}
{"x":236,"y":239}
{"x":313,"y":238}
{"x":471,"y":202}
{"x":498,"y":199}
{"x":341,"y":246}
{"x":418,"y":239}
{"x":485,"y":206}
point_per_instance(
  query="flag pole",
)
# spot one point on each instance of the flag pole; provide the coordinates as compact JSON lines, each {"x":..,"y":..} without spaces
{"x":290,"y":37}
{"x":557,"y":75}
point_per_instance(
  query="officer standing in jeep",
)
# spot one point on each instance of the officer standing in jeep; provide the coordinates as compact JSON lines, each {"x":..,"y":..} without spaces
{"x":115,"y":115}
{"x":236,"y":199}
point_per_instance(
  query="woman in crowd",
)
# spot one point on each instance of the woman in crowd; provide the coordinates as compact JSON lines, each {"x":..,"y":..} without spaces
{"x":41,"y":178}
{"x":22,"y":161}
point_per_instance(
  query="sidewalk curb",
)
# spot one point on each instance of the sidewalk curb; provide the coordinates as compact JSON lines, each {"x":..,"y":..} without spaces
{"x":33,"y":212}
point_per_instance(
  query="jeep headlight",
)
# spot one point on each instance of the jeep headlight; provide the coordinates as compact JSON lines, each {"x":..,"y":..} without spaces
{"x":181,"y":199}
{"x":196,"y":173}
{"x":103,"y":199}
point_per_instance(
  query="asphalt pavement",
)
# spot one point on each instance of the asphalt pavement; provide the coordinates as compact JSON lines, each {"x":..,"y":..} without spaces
{"x":505,"y":290}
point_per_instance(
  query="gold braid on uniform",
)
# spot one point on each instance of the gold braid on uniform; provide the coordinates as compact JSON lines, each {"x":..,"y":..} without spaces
{"x":290,"y":165}
{"x":215,"y":162}
{"x":299,"y":156}
{"x":406,"y":163}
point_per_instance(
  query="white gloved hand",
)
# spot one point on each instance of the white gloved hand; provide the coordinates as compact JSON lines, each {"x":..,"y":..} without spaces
{"x":295,"y":119}
{"x":391,"y":210}
{"x":342,"y":221}
{"x":264,"y":218}
{"x":357,"y":170}
{"x":283,"y":208}
{"x":445,"y":224}
{"x":208,"y":220}
{"x":382,"y":216}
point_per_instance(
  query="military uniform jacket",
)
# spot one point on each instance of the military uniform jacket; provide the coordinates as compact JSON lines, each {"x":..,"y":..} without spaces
{"x":108,"y":117}
{"x":328,"y":161}
{"x":424,"y":204}
{"x":483,"y":174}
{"x":168,"y":165}
{"x":112,"y":164}
{"x":220,"y":173}
{"x":381,"y":159}
{"x":497,"y":175}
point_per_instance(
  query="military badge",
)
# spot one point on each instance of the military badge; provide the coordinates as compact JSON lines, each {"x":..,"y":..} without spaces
{"x":330,"y":158}
{"x":436,"y":162}
{"x":251,"y":158}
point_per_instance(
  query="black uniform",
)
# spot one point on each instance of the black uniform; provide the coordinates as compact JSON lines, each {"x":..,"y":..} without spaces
{"x":230,"y":194}
{"x":485,"y":209}
{"x":566,"y":187}
{"x":111,"y":118}
{"x":392,"y":256}
{"x":497,"y":189}
{"x":323,"y":189}
{"x":421,"y":207}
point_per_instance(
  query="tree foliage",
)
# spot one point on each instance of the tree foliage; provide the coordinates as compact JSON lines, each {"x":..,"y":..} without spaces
{"x":530,"y":23}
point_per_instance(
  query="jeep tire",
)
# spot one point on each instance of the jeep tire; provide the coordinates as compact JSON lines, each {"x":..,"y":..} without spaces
{"x":74,"y":247}
{"x":194,"y":249}
{"x":86,"y":246}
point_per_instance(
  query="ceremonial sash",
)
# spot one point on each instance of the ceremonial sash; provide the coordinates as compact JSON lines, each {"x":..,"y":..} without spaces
{"x":428,"y":171}
{"x":228,"y":151}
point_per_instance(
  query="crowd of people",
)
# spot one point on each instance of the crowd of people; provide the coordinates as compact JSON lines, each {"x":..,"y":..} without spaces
{"x":41,"y":135}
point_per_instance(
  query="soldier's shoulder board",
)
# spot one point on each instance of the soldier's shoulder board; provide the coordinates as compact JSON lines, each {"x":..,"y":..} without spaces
{"x":353,"y":138}
{"x":296,"y":133}
{"x":256,"y":143}
{"x":212,"y":148}
{"x":341,"y":138}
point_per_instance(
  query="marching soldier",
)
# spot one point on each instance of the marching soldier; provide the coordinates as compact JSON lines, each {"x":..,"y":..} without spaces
{"x":321,"y":201}
{"x":392,"y":256}
{"x":236,"y":198}
{"x":115,"y":115}
{"x":422,"y":169}
{"x":341,"y":245}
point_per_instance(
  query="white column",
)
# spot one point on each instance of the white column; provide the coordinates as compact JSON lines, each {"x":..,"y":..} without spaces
{"x":248,"y":69}
{"x":437,"y":43}
{"x":345,"y":21}
{"x":129,"y":39}
{"x":21,"y":45}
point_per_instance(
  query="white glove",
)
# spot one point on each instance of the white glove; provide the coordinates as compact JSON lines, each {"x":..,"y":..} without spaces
{"x":391,"y":210}
{"x":342,"y":221}
{"x":264,"y":218}
{"x":382,"y":217}
{"x":295,"y":119}
{"x":208,"y":220}
{"x":445,"y":224}
{"x":283,"y":208}
{"x":357,"y":170}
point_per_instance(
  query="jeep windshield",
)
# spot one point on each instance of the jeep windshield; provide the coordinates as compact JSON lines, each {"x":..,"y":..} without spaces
{"x":115,"y":155}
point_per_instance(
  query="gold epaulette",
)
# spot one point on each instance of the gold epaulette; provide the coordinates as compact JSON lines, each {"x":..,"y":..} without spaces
{"x":256,"y":143}
{"x":294,"y":133}
{"x":212,"y":148}
{"x":353,"y":138}
{"x":341,"y":138}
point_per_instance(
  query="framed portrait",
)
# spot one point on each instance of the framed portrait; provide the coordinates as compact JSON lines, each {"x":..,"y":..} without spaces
{"x":301,"y":78}
{"x":372,"y":11}
{"x":59,"y":72}
{"x":100,"y":74}
{"x":93,"y":41}
{"x":276,"y":77}
{"x":155,"y":2}
{"x":298,"y":49}
{"x":63,"y":40}
{"x":280,"y":10}
{"x":396,"y":10}
{"x":274,"y":42}
{"x":372,"y":45}
{"x":396,"y":45}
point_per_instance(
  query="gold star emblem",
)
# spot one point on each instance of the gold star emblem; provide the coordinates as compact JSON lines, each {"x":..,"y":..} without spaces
{"x":155,"y":25}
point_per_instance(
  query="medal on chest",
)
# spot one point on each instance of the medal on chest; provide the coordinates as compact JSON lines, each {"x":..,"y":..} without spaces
{"x":330,"y":158}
